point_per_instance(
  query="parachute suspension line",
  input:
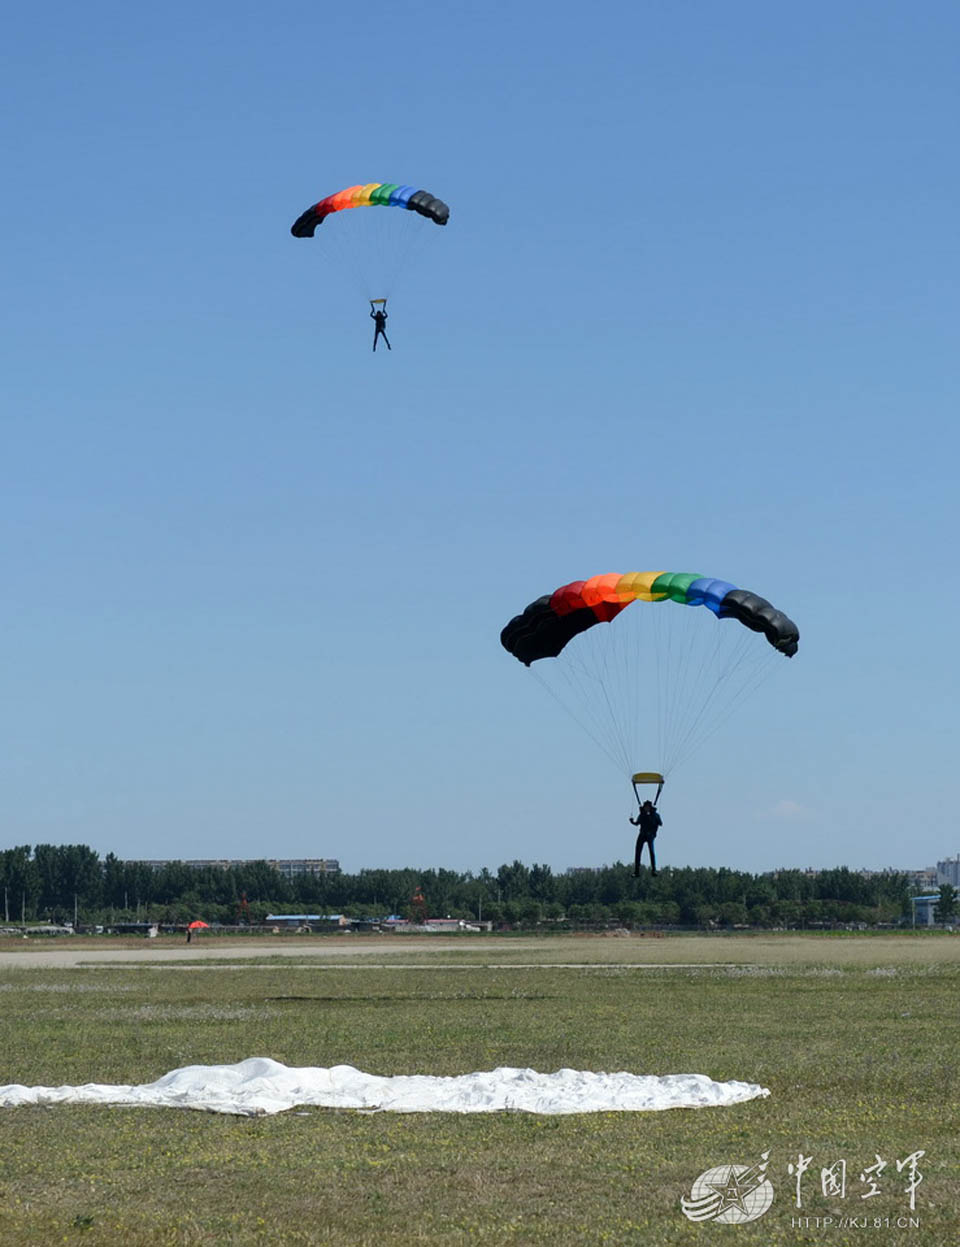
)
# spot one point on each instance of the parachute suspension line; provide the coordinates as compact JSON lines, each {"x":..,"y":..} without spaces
{"x":667,"y":653}
{"x":622,"y":662}
{"x":664,"y":654}
{"x":615,"y":655}
{"x":752,"y":667}
{"x":709,"y":661}
{"x":675,"y":651}
{"x":583,"y":685}
{"x":652,"y":674}
{"x":398,"y":238}
{"x":699,"y":671}
{"x":612,"y":684}
{"x":691,"y":676}
{"x":634,"y":644}
{"x":594,"y":680}
{"x":723,"y":712}
{"x":697,"y":655}
{"x":674,"y":654}
{"x":622,"y":685}
{"x":372,"y":246}
{"x":338,"y":243}
{"x":686,"y":740}
{"x":410,"y":254}
{"x":581,"y":722}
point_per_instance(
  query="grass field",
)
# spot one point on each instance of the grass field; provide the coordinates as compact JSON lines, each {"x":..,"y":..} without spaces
{"x":856,"y":1037}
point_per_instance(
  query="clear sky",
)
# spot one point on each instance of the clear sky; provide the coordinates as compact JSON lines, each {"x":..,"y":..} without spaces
{"x":696,"y":308}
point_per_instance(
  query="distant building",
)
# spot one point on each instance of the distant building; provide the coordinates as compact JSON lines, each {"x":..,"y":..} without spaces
{"x":289,"y":867}
{"x":149,"y":929}
{"x":949,"y":871}
{"x":396,"y":923}
{"x":295,"y":921}
{"x":921,"y":879}
{"x":924,"y":909}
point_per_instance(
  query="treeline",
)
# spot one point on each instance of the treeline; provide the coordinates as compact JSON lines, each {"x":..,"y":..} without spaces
{"x":55,"y":882}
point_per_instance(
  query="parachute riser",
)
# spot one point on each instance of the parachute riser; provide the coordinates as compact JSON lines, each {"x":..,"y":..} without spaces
{"x":647,"y":777}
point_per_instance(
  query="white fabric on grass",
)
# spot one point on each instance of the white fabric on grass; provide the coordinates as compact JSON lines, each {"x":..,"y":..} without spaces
{"x":260,"y":1086}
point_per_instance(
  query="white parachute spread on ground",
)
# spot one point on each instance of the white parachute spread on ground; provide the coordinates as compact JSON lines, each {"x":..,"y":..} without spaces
{"x":260,"y":1086}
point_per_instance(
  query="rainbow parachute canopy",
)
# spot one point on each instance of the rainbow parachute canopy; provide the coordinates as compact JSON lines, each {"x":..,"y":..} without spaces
{"x":374,"y":194}
{"x":547,"y":624}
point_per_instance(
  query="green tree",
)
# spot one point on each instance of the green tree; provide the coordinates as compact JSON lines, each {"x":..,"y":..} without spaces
{"x":542,"y":883}
{"x":20,"y":882}
{"x":531,"y":912}
{"x":946,"y":907}
{"x":733,"y":914}
{"x":514,"y":881}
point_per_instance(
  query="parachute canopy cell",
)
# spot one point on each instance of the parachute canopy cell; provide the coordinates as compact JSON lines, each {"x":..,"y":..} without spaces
{"x":545,"y":627}
{"x":373,"y":194}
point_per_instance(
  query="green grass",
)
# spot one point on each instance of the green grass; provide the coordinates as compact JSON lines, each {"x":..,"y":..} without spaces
{"x":856,"y":1038}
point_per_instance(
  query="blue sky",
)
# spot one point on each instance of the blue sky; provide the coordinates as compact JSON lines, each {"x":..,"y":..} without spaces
{"x":695,"y":309}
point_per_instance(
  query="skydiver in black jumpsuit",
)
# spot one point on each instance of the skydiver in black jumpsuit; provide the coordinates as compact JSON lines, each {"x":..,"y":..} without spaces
{"x":380,"y":317}
{"x":648,"y":820}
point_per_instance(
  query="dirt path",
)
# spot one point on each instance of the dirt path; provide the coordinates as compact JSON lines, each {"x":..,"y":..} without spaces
{"x":62,"y":953}
{"x":561,"y":952}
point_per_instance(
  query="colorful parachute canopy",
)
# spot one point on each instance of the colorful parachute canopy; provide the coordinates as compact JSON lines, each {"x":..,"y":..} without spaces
{"x":547,"y":624}
{"x":383,"y":194}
